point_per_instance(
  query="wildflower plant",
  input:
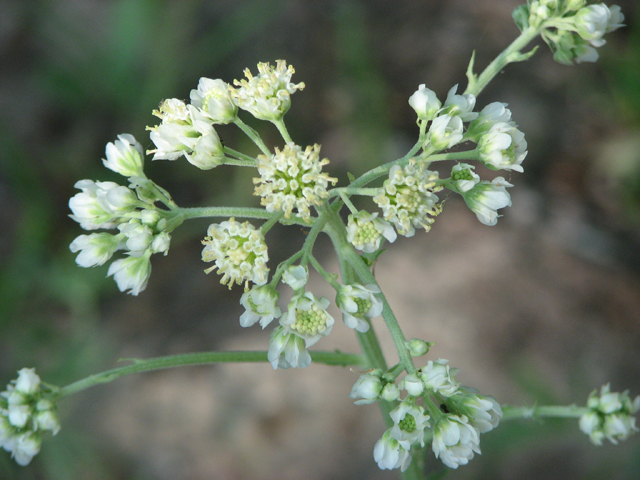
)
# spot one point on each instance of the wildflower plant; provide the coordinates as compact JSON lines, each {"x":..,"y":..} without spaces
{"x":423,"y":405}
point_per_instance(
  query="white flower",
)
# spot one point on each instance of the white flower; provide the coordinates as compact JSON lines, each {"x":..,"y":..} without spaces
{"x":445,"y":132}
{"x":409,"y":423}
{"x":438,"y":377}
{"x":413,"y":384}
{"x":455,"y":441}
{"x":503,"y":147}
{"x":24,"y":448}
{"x":214,"y":98}
{"x":47,"y":417}
{"x":161,"y":243}
{"x":95,"y":249}
{"x":389,"y":454}
{"x":356,"y":302}
{"x":292,"y":178}
{"x":460,"y":105}
{"x":610,"y":416}
{"x":131,"y":273}
{"x":591,"y":23}
{"x":484,"y":412}
{"x":287,"y":350}
{"x":28,"y":381}
{"x":188,"y":131}
{"x":268,"y":95}
{"x":239,"y":252}
{"x":125,"y":156}
{"x":425,"y":102}
{"x":307,"y":317}
{"x":463,"y":177}
{"x":296,"y":276}
{"x":493,"y":113}
{"x":18,"y":415}
{"x":365,"y":231}
{"x":418,"y":347}
{"x":486,"y":198}
{"x":138,"y":236}
{"x":100,"y":204}
{"x":260,"y":306}
{"x":390,"y":392}
{"x":407,"y":197}
{"x":368,"y":387}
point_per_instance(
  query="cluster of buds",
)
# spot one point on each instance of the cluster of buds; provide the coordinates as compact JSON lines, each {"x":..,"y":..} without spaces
{"x":143,"y":228}
{"x":26,"y":413}
{"x":609,"y":415}
{"x":455,"y":425}
{"x":306,"y":319}
{"x":572,"y":29}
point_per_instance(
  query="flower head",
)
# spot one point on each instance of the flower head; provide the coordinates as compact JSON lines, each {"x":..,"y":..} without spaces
{"x":486,"y":198}
{"x":356,"y":302}
{"x":307,"y":317}
{"x":455,"y":441}
{"x":484,"y":412}
{"x":214,"y":98}
{"x":437,"y":376}
{"x":445,"y":131}
{"x":296,"y":276}
{"x":609,"y":416}
{"x":425,"y":102}
{"x":463,"y":177}
{"x":125,"y":156}
{"x":131,"y":273}
{"x":260,"y":306}
{"x":409,"y":423}
{"x":368,"y":387}
{"x":407,"y":197}
{"x":239,"y":252}
{"x":266,"y":96}
{"x":95,"y":249}
{"x":460,"y":105}
{"x":101,"y":204}
{"x":287,"y":350}
{"x":389,"y":453}
{"x":365,"y":231}
{"x":292,"y":178}
{"x":503,"y":147}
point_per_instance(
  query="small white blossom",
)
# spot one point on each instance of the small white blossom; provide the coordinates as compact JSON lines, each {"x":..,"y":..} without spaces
{"x":292,"y":178}
{"x":390,"y":392}
{"x":484,"y":412}
{"x":260,"y":306}
{"x":609,"y":416}
{"x":131,"y":273}
{"x":186,"y":130}
{"x":296,"y":276}
{"x":437,"y":376}
{"x":592,"y":22}
{"x":239,"y":252}
{"x":125,"y":156}
{"x":214,"y":98}
{"x":365,"y":231}
{"x":418,"y":347}
{"x":95,"y":249}
{"x":455,"y":441}
{"x":460,"y":105}
{"x":101,"y":204}
{"x":463,"y":177}
{"x":266,"y":96}
{"x":356,"y":302}
{"x":503,"y":147}
{"x":138,"y":236}
{"x":389,"y":454}
{"x":407,"y":198}
{"x":287,"y":350}
{"x":368,"y":387}
{"x":308,"y":318}
{"x":496,"y":112}
{"x":413,"y":384}
{"x":425,"y":102}
{"x":28,"y":381}
{"x":409,"y":423}
{"x":24,"y":448}
{"x":445,"y":132}
{"x":486,"y":198}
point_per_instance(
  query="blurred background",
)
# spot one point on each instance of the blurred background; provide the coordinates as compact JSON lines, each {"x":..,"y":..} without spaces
{"x":542,"y":307}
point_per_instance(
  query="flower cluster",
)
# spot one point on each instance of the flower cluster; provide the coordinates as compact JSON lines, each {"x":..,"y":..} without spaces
{"x":292,"y":178}
{"x":239,"y":252}
{"x":143,"y":228}
{"x":407,"y":198}
{"x":365,"y":231}
{"x":266,"y":96}
{"x":609,"y":415}
{"x":25,"y":414}
{"x":455,"y":430}
{"x":573,"y":30}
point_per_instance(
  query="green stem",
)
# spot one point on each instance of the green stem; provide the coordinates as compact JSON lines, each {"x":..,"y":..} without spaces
{"x":510,"y":54}
{"x":242,"y":212}
{"x":540,"y":411}
{"x":253,"y":135}
{"x":234,"y":153}
{"x":283,"y":130}
{"x":202,"y":358}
